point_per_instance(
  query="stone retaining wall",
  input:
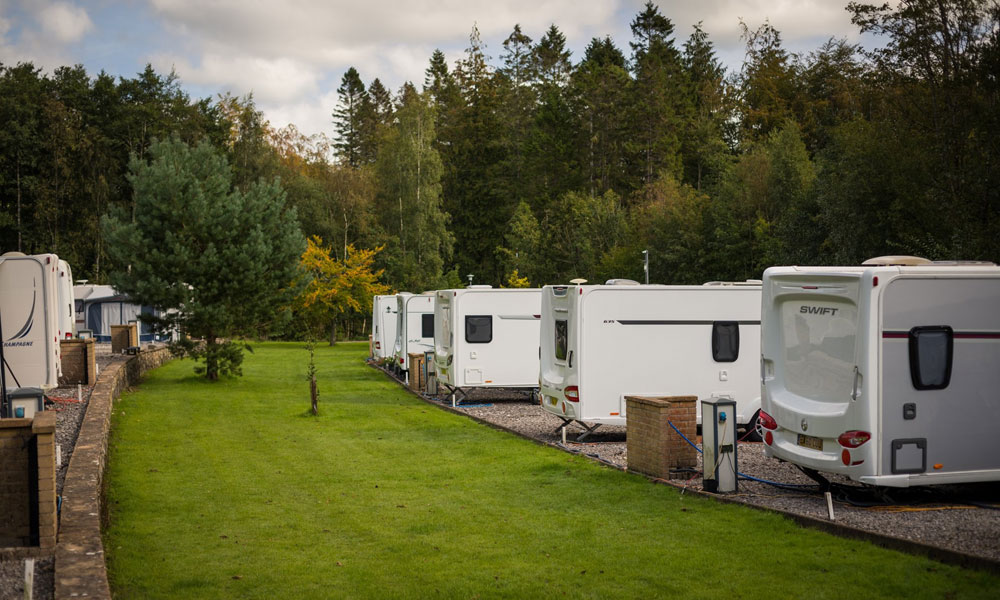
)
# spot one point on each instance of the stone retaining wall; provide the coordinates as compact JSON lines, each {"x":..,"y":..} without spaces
{"x":80,"y":568}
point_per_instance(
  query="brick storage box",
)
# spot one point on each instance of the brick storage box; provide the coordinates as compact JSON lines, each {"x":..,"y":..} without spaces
{"x":653,"y":447}
{"x":79,"y":362}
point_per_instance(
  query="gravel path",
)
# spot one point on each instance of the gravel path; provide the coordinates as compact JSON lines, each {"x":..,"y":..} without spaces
{"x":951,"y":517}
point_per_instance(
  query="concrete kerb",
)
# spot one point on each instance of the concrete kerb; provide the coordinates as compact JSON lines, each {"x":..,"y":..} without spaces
{"x":943,"y":555}
{"x":80,"y":570}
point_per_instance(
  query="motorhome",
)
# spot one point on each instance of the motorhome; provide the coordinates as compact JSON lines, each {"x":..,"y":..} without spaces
{"x":384,"y":310}
{"x":886,"y":373}
{"x":600,"y":343}
{"x":414,"y":326}
{"x":29,"y":312}
{"x":486,"y":337}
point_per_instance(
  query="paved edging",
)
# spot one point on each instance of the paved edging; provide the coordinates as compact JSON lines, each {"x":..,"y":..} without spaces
{"x":943,"y":555}
{"x":80,"y":571}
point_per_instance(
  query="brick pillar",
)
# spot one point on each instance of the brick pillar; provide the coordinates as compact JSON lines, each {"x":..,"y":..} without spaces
{"x":653,"y":447}
{"x":416,"y":368}
{"x":44,"y":428}
{"x":79,"y":362}
{"x":122,"y":337}
{"x":16,"y":481}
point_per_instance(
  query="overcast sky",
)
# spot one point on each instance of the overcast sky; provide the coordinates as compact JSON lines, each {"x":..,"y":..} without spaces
{"x":292,"y":54}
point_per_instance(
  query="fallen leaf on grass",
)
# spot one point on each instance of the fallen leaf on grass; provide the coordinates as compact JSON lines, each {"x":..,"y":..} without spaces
{"x":237,"y":577}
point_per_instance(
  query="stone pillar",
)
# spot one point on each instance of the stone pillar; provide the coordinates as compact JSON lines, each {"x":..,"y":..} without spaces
{"x":79,"y":362}
{"x":653,"y":447}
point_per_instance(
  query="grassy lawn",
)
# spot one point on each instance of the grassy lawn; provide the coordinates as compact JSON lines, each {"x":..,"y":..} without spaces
{"x":229,"y":490}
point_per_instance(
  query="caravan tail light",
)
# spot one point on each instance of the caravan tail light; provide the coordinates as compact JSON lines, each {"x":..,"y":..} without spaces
{"x":378,"y":345}
{"x":767,"y":421}
{"x":768,"y":438}
{"x":401,"y":361}
{"x":853,"y":439}
{"x":572,"y":393}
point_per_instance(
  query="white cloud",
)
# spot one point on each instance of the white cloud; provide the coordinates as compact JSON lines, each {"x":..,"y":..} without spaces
{"x":64,"y":22}
{"x":270,"y":79}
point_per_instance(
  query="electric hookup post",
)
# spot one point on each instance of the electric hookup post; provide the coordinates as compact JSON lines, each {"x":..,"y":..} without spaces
{"x":718,"y":436}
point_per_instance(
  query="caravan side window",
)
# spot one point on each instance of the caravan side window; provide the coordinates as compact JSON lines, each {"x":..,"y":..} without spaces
{"x":562,"y":339}
{"x":725,"y":341}
{"x":427,"y":325}
{"x":931,"y":350}
{"x":479,"y":329}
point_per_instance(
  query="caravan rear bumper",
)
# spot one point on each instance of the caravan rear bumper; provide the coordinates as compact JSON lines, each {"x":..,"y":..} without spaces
{"x":785,"y":446}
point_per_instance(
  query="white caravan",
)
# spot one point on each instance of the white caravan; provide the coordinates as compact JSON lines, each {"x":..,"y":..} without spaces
{"x":29,"y":311}
{"x":414,"y":326}
{"x":600,"y":343}
{"x":67,"y":315}
{"x":485,"y":337}
{"x":886,"y":374}
{"x":383,"y":326}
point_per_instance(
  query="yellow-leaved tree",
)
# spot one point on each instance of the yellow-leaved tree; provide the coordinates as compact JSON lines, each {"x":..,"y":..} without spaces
{"x":337,"y":287}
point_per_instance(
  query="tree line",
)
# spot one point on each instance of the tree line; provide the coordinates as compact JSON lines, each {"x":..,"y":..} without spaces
{"x":540,"y":167}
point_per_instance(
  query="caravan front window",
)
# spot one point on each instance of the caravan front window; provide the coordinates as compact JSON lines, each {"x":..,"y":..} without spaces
{"x":819,"y":338}
{"x":427,"y":325}
{"x":479,"y":329}
{"x":931,"y":350}
{"x":725,"y":341}
{"x":562,"y":339}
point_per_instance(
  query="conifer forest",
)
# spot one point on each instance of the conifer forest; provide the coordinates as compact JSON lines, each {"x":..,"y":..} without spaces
{"x":521,"y":164}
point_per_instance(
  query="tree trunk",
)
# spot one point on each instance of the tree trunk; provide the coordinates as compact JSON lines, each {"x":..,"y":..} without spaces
{"x":333,"y":333}
{"x":314,"y":395}
{"x":211,"y":358}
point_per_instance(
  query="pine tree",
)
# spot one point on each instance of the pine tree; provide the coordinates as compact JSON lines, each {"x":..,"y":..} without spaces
{"x":220,"y":259}
{"x":349,"y":118}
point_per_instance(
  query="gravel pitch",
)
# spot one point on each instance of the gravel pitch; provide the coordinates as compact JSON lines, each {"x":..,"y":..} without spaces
{"x":70,"y":404}
{"x":961,"y":518}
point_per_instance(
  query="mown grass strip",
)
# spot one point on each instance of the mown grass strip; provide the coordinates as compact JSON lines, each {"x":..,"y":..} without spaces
{"x":230,"y":490}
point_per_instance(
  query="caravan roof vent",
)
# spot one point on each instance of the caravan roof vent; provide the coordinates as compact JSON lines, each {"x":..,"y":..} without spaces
{"x":621,"y":282}
{"x":479,"y":287}
{"x":896,"y":261}
{"x":578,"y":281}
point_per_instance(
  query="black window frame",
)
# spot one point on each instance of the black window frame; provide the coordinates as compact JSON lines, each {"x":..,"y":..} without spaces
{"x":916,"y":373}
{"x":564,"y":325}
{"x":427,"y":324}
{"x":731,"y":330}
{"x":489,"y":322}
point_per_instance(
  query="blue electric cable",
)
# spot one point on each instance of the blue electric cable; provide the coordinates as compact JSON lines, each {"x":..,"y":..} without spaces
{"x":750,"y":477}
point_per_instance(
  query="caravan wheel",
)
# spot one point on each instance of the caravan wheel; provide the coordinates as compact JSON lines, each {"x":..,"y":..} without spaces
{"x":752,"y":433}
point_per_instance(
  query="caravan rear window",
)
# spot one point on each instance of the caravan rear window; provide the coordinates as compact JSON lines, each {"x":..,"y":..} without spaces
{"x":819,"y":337}
{"x":427,"y":325}
{"x":562,"y":339}
{"x":931,"y":350}
{"x":479,"y":329}
{"x":725,"y":341}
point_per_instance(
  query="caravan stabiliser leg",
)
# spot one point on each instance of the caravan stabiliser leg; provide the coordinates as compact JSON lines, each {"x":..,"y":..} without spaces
{"x":589,"y":430}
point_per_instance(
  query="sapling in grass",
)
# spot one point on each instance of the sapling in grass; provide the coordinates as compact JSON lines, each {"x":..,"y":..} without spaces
{"x":313,"y":389}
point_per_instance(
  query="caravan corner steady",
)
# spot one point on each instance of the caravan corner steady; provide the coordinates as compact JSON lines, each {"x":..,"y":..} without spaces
{"x":485,"y":337}
{"x":886,"y":373}
{"x":383,"y":326}
{"x":600,"y":343}
{"x":414,"y":326}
